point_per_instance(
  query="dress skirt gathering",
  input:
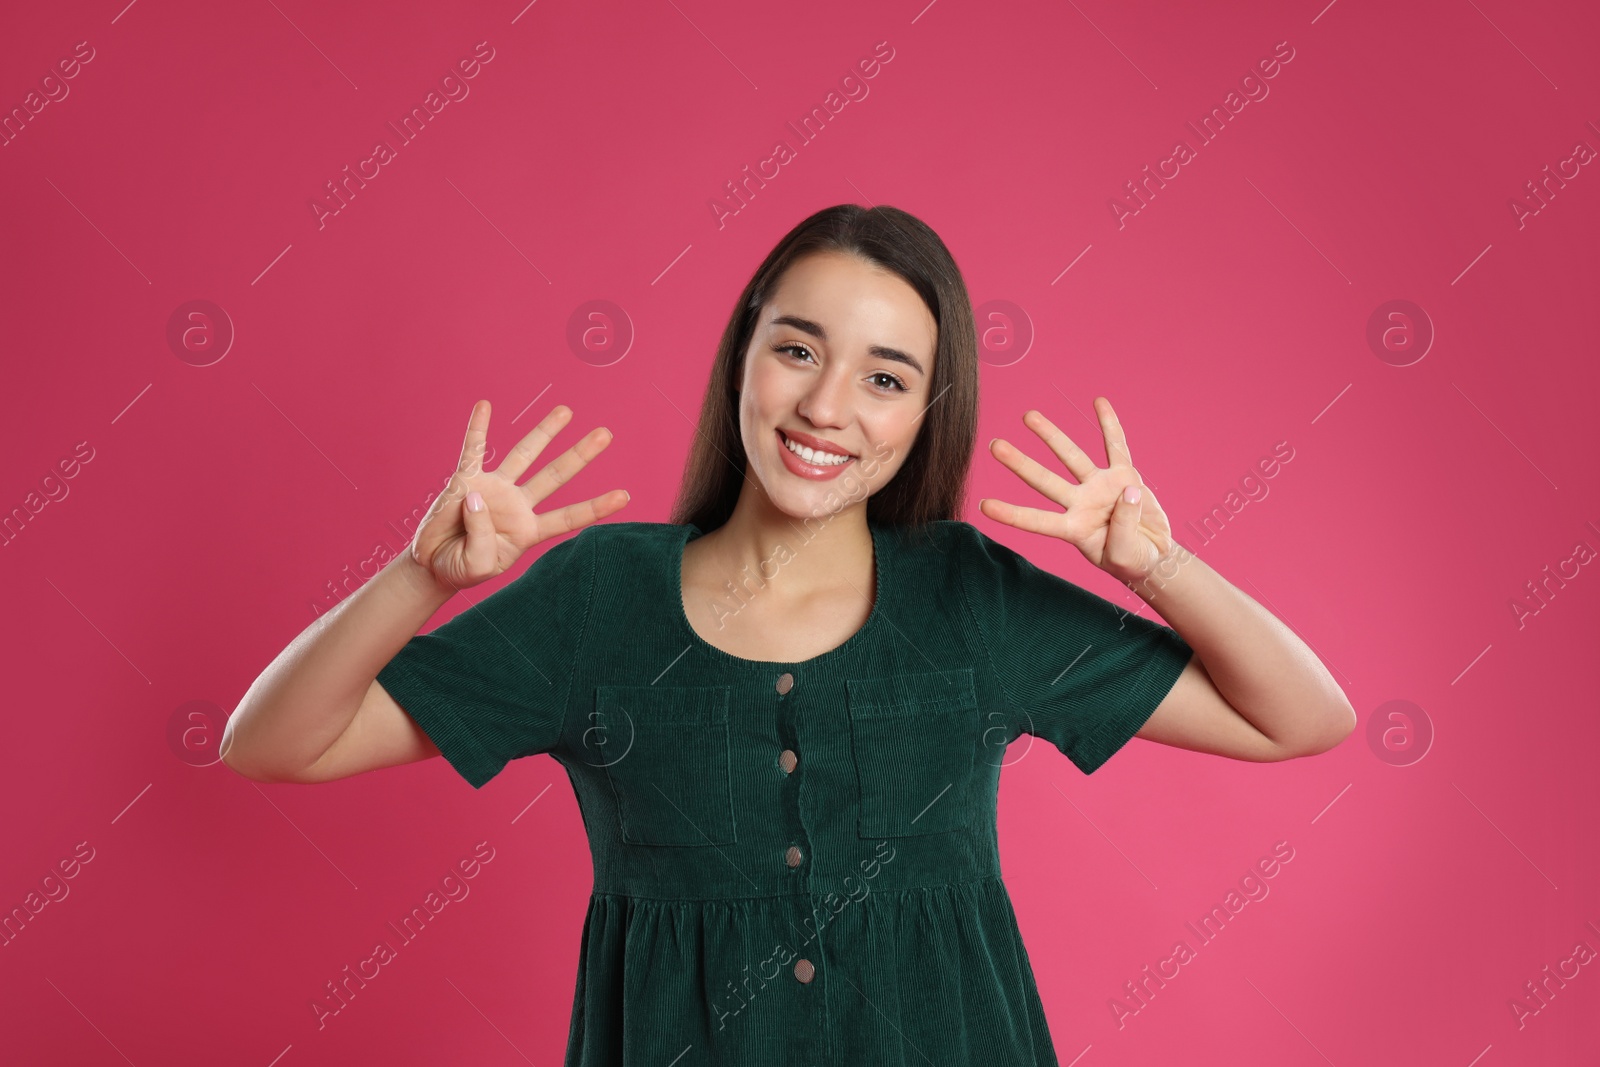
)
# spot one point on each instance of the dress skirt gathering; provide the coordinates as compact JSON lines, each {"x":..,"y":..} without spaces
{"x":911,"y":972}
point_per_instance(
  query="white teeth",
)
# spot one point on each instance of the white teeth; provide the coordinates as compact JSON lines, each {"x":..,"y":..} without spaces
{"x":812,"y":456}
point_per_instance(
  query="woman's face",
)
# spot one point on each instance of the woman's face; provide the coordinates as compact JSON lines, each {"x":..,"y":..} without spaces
{"x":840,"y":361}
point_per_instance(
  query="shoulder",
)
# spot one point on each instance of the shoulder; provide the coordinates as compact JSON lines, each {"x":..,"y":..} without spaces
{"x":576,"y":566}
{"x":985,"y":567}
{"x":939,"y":535}
{"x":982,"y":552}
{"x":629,"y":533}
{"x":932,"y":555}
{"x":600,"y":543}
{"x":612,"y":543}
{"x":960,"y":542}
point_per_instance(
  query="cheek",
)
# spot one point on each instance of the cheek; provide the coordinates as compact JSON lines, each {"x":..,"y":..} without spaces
{"x":760,"y":408}
{"x":892,"y":436}
{"x":762,"y":396}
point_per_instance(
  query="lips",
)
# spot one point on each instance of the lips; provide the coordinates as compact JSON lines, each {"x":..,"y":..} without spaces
{"x":815,"y":443}
{"x":816,"y":472}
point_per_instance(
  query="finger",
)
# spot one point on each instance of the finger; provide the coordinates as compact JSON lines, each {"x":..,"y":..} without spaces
{"x":1050,"y":523}
{"x":1074,"y":458}
{"x":577,"y":516}
{"x":480,"y":551}
{"x":1116,"y":442}
{"x":564,"y":468}
{"x":527,"y":450}
{"x":476,"y":443}
{"x":1038,"y":476}
{"x":1126,"y":547}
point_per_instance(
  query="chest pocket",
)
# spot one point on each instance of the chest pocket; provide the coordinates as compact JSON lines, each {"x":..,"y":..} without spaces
{"x":916,"y":738}
{"x":666,"y":753}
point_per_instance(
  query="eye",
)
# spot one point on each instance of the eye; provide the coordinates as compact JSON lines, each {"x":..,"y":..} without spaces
{"x":895,"y":383}
{"x":792,"y":346}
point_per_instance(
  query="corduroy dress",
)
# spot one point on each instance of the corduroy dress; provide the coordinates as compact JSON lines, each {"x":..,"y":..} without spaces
{"x":794,"y":863}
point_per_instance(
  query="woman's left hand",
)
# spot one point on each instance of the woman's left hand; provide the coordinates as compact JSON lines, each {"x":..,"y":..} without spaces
{"x":1125,"y":538}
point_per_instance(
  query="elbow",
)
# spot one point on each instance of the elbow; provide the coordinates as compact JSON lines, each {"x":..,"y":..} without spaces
{"x":256,"y":773}
{"x":1328,"y":729}
{"x":238,"y":760}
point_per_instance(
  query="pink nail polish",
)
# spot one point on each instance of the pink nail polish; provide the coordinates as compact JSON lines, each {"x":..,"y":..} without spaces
{"x":1131,"y":494}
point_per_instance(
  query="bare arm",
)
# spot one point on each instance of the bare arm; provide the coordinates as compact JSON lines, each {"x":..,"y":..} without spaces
{"x":1254,"y":690}
{"x":317,"y":712}
{"x":314,"y":690}
{"x":311,"y":694}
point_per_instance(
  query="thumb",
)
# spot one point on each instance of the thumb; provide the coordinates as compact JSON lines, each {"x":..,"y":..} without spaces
{"x":480,"y":547}
{"x":1126,"y":550}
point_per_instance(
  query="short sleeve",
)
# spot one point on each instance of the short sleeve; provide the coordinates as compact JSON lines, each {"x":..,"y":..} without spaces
{"x":491,"y":684}
{"x":1078,"y":670}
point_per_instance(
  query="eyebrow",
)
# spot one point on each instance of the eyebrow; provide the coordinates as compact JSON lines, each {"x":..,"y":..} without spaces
{"x":880,"y":351}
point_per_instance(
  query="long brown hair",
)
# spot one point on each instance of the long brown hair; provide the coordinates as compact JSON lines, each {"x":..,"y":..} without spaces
{"x":932,"y":483}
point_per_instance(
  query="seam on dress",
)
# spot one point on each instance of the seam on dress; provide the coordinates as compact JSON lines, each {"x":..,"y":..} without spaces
{"x":1162,"y":658}
{"x":583,"y":634}
{"x":701,"y":901}
{"x":983,"y":641}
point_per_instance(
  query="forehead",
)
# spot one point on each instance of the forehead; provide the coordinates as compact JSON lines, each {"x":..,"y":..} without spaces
{"x":859,"y":304}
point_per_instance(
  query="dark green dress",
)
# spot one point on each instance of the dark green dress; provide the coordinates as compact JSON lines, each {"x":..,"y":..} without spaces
{"x":794,"y":863}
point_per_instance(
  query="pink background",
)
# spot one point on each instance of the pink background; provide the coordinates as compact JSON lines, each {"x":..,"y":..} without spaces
{"x":1229,"y":314}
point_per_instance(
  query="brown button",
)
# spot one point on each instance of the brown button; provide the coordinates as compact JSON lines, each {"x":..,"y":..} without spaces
{"x":792,"y":857}
{"x":804,"y":971}
{"x":785,"y":682}
{"x":787,"y":760}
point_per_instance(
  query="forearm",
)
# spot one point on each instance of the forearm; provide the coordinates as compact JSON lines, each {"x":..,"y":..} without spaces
{"x":1257,"y":663}
{"x":309,"y":694}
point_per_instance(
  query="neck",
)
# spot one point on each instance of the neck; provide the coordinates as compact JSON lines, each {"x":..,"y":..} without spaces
{"x":802,"y":555}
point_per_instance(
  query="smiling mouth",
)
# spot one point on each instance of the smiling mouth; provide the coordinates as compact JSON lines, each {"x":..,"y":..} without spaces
{"x":815,"y":457}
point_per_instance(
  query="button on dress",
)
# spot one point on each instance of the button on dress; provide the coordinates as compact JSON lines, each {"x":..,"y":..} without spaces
{"x":794,"y":863}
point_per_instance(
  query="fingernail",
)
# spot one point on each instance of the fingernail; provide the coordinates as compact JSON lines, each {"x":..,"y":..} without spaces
{"x":1131,"y":494}
{"x":627,"y":495}
{"x":474,"y":501}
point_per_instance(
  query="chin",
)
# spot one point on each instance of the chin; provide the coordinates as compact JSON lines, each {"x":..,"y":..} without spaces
{"x":822,"y":501}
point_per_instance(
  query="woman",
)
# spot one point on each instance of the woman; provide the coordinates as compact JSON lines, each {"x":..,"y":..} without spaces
{"x":784,"y":713}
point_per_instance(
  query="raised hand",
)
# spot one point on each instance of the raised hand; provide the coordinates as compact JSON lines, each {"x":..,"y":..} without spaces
{"x":461,"y":546}
{"x":1122,"y":536}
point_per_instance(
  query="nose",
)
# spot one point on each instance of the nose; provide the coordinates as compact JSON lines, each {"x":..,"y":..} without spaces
{"x":827,"y":402}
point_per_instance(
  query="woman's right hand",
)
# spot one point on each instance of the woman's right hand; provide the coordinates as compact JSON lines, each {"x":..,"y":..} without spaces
{"x":462,"y":547}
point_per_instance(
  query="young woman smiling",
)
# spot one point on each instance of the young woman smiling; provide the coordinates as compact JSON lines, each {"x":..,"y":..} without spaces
{"x":791,"y":807}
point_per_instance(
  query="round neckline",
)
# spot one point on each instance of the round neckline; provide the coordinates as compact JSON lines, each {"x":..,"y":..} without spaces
{"x":689,"y":531}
